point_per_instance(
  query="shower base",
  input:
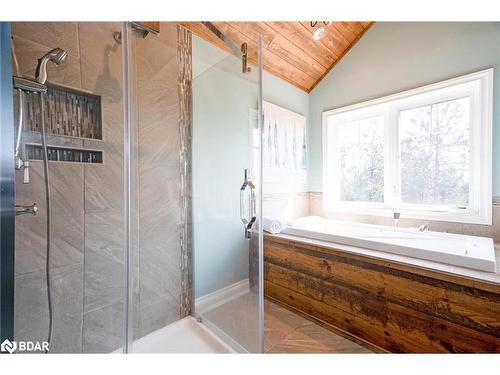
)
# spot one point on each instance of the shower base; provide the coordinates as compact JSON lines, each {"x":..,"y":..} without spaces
{"x":184,"y":336}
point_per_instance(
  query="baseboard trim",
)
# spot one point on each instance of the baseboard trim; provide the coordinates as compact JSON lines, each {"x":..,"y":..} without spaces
{"x":221,"y":296}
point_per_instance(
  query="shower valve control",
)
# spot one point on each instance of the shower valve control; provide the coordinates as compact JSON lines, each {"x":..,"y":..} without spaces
{"x":25,"y":164}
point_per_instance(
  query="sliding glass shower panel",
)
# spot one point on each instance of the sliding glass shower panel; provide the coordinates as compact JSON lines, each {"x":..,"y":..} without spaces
{"x":158,"y":86}
{"x":227,"y":195}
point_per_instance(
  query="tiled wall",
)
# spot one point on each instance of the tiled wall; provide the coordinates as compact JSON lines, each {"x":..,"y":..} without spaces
{"x":159,"y":284}
{"x":87,"y":200}
{"x":285,"y":206}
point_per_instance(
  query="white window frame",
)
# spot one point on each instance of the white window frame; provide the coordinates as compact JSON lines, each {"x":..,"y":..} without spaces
{"x":479,"y":88}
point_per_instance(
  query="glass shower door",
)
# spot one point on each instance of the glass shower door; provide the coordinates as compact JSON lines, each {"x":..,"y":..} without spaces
{"x":226,"y":190}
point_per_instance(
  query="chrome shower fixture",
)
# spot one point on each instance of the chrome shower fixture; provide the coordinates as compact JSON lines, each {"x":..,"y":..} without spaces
{"x":396,"y":216}
{"x":139,"y":27}
{"x":56,"y":55}
{"x":241,"y":52}
{"x":31,"y":86}
{"x":28,"y":85}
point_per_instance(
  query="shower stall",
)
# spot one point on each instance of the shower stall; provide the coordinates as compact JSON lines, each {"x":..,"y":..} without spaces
{"x":131,"y":221}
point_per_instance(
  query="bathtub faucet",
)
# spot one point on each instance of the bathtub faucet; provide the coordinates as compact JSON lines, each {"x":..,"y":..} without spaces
{"x":423,"y":227}
{"x":396,"y":216}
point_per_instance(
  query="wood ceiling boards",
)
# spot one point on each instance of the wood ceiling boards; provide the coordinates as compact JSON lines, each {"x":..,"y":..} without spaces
{"x":289,"y":49}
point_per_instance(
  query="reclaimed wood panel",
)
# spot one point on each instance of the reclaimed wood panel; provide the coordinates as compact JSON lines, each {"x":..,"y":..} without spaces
{"x":384,"y":304}
{"x":289,"y":50}
{"x":349,"y":30}
{"x":302,"y":37}
{"x":255,"y":29}
{"x":431,"y":274}
{"x":429,"y":295}
{"x":286,"y":50}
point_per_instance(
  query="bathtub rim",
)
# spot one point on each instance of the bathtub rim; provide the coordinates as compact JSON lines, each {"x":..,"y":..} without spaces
{"x":424,"y":253}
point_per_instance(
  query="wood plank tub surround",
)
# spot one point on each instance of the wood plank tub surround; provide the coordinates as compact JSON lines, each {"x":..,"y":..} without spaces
{"x":395,"y":307}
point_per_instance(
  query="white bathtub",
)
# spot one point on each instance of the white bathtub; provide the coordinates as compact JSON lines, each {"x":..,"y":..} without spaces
{"x":459,"y":250}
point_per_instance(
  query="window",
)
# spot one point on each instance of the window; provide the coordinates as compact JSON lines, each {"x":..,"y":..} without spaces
{"x":434,"y":143}
{"x":361,"y":157}
{"x":425,"y":153}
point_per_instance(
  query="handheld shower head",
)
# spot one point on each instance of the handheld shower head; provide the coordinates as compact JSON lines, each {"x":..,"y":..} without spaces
{"x":56,"y":55}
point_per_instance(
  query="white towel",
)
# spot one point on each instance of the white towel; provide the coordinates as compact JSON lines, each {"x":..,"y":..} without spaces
{"x":273,"y":226}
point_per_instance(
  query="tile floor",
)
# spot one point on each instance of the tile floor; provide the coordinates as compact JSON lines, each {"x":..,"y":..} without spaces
{"x":286,"y":332}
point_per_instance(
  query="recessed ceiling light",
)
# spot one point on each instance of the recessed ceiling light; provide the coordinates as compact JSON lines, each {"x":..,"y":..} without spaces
{"x":318,"y":33}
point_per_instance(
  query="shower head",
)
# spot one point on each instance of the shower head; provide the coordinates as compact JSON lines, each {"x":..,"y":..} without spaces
{"x":56,"y":55}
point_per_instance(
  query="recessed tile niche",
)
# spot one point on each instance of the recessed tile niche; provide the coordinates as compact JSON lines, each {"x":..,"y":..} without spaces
{"x":35,"y":152}
{"x":71,"y":116}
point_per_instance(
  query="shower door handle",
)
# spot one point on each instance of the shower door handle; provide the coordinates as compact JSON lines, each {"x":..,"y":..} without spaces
{"x":248,"y":219}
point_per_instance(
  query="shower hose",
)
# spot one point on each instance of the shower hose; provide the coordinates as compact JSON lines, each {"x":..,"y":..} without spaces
{"x":49,"y":218}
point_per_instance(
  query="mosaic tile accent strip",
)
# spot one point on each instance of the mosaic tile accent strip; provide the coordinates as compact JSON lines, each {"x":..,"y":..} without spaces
{"x":68,"y":112}
{"x":35,"y":152}
{"x":184,"y":62}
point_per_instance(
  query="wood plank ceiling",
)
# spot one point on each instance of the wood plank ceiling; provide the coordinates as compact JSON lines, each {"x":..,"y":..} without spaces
{"x":289,"y":49}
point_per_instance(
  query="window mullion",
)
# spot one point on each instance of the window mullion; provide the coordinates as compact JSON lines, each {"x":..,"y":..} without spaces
{"x":391,"y":160}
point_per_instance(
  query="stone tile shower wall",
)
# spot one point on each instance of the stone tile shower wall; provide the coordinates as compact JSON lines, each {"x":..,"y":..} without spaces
{"x":162,"y":94}
{"x":87,"y":200}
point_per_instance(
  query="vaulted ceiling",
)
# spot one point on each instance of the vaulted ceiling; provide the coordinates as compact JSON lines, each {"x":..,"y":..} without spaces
{"x":289,"y":49}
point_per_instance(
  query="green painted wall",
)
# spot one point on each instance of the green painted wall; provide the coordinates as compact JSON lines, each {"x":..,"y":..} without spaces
{"x":280,"y":92}
{"x":222,"y":99}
